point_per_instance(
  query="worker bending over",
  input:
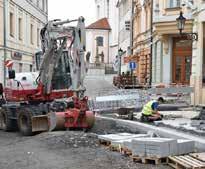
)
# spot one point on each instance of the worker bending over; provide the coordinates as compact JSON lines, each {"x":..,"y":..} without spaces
{"x":150,"y":111}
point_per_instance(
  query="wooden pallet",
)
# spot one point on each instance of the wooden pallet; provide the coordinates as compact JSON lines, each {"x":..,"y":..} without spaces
{"x":104,"y":142}
{"x":185,"y":162}
{"x":150,"y":160}
{"x":126,"y":152}
{"x":199,"y":156}
{"x":114,"y":148}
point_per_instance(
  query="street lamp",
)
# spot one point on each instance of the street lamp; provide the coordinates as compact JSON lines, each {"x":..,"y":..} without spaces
{"x":120,"y":52}
{"x":181,"y":20}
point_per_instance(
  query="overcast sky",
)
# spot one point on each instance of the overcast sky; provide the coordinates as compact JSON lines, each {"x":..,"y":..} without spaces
{"x":72,"y":9}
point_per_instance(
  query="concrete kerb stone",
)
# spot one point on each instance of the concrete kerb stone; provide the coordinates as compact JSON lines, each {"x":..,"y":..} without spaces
{"x":162,"y":131}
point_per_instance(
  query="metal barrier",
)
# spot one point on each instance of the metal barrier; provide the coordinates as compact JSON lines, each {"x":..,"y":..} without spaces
{"x":136,"y":98}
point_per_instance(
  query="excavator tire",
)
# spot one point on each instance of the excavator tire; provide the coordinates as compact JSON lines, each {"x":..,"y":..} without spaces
{"x":24,"y":121}
{"x":5,"y":122}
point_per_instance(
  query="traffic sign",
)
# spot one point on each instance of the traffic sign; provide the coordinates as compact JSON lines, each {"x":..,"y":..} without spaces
{"x":132,"y":65}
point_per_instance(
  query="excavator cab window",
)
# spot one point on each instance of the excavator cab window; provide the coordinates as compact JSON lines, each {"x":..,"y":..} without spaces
{"x":12,"y":74}
{"x":24,"y":78}
{"x":38,"y":59}
{"x":61,"y":77}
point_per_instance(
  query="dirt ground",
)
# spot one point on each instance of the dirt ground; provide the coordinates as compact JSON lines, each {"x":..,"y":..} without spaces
{"x":66,"y":149}
{"x":62,"y":150}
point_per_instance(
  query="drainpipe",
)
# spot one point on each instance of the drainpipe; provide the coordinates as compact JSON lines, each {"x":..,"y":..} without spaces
{"x":5,"y":44}
{"x":151,"y":41}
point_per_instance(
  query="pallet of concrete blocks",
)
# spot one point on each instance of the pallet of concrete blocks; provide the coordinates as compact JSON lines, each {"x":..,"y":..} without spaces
{"x":158,"y":149}
{"x":124,"y":145}
{"x":154,"y":147}
{"x":107,"y":139}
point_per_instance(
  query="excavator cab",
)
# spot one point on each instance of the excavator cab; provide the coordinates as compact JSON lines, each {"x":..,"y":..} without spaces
{"x":12,"y":74}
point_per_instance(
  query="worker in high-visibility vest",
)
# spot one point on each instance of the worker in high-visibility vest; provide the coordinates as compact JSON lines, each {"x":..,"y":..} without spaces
{"x":150,"y":111}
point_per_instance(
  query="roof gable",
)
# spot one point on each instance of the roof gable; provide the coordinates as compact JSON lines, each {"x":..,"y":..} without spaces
{"x":102,"y":24}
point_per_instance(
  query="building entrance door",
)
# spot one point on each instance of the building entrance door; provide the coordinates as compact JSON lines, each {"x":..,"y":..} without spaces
{"x":182,"y":58}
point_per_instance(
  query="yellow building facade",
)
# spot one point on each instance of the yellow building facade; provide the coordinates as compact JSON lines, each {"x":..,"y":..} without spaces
{"x":142,"y":39}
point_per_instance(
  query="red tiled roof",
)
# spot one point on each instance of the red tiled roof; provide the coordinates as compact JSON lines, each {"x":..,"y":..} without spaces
{"x":100,"y":24}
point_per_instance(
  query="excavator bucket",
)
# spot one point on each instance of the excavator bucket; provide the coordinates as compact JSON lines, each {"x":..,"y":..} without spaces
{"x":40,"y":123}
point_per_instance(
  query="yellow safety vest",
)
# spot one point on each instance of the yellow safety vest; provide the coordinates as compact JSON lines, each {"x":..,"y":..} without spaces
{"x":147,"y":109}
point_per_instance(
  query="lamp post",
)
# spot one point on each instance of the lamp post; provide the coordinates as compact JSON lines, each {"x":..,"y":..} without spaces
{"x":120,"y":52}
{"x":181,"y":20}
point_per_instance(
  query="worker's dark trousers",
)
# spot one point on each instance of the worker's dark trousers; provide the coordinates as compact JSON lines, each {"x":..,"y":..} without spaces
{"x":145,"y":118}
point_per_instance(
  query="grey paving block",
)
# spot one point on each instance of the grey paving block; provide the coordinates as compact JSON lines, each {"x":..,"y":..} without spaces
{"x":115,"y":137}
{"x":120,"y":136}
{"x":185,"y":146}
{"x":127,"y":138}
{"x":158,"y":147}
{"x":120,"y":142}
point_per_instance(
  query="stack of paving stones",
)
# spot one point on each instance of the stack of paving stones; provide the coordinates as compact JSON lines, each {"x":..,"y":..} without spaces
{"x":142,"y":145}
{"x":154,"y":147}
{"x":161,"y":147}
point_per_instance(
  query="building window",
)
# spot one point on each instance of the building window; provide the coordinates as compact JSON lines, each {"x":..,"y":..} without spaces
{"x":20,"y":67}
{"x":43,"y":5}
{"x":11,"y":17}
{"x":31,"y":34}
{"x":173,"y":3}
{"x":99,"y":41}
{"x":146,"y":19}
{"x":37,"y":3}
{"x":38,"y":37}
{"x":20,"y":28}
{"x":46,"y":6}
{"x":31,"y":68}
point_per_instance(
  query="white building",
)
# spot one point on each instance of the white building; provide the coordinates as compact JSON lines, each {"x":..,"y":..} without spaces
{"x":124,"y":35}
{"x":97,"y":41}
{"x":125,"y":12}
{"x":20,"y":25}
{"x":107,"y":9}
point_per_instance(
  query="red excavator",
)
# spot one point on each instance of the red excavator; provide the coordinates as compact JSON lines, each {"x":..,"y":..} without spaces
{"x":53,"y":97}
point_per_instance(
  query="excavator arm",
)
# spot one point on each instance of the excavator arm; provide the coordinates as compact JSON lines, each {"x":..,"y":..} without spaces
{"x":63,"y":44}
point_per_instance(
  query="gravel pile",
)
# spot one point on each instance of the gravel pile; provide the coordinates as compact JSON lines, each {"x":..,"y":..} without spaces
{"x":71,"y":139}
